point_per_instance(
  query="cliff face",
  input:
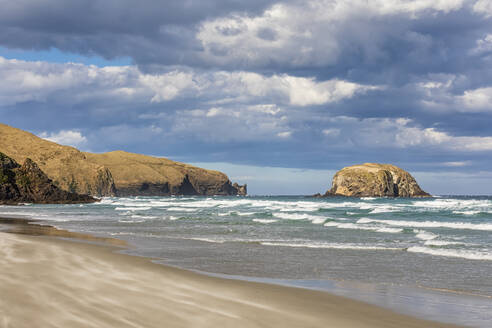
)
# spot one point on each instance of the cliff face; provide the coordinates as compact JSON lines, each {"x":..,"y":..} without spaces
{"x":136,"y":174}
{"x":375,"y":180}
{"x":66,"y":166}
{"x":114,"y":173}
{"x":28,"y":184}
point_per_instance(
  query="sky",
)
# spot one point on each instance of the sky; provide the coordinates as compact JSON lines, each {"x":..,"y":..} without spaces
{"x":276,"y":94}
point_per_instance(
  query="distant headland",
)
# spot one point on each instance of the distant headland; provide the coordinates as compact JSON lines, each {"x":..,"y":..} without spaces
{"x":116,"y":173}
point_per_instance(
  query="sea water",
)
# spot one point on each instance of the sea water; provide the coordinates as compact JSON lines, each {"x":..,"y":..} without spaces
{"x":430,"y":257}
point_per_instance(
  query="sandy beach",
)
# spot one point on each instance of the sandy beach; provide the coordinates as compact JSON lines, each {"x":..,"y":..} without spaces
{"x":46,"y":281}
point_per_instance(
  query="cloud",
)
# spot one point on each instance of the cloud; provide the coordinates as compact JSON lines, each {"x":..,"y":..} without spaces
{"x":477,"y":100}
{"x":38,"y":81}
{"x":483,"y":7}
{"x":273,"y":36}
{"x":441,"y":95}
{"x":66,"y":137}
{"x":457,"y":164}
{"x":307,"y":84}
{"x":403,"y":133}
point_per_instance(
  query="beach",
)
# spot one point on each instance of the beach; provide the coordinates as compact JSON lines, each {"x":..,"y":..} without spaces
{"x":59,"y":281}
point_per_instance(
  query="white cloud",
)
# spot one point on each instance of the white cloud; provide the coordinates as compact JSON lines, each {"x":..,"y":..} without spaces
{"x":65,"y":137}
{"x":401,"y":133}
{"x":224,"y":124}
{"x":411,"y":136}
{"x":483,"y":7}
{"x":477,"y":99}
{"x":331,"y":132}
{"x":167,"y":86}
{"x":457,"y":163}
{"x":307,"y":33}
{"x":74,"y":83}
{"x":438,"y":95}
{"x":284,"y":134}
{"x":484,"y":45}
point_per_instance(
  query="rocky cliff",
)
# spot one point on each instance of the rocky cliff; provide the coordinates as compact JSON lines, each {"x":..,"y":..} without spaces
{"x":114,"y":173}
{"x":66,"y":166}
{"x":28,"y":184}
{"x":374,"y":180}
{"x":136,"y":174}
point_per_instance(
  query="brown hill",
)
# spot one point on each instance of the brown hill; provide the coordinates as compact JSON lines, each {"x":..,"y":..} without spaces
{"x":375,"y":180}
{"x":66,"y":166}
{"x":136,"y":174}
{"x":27,"y":183}
{"x":115,"y":172}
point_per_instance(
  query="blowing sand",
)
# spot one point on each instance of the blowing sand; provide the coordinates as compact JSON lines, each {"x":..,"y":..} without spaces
{"x":49,"y":282}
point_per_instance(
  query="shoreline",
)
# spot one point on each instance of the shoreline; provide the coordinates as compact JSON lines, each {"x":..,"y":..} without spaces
{"x":102,"y":287}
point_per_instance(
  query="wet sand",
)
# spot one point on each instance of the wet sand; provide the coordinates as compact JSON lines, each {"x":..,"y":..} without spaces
{"x":46,"y":281}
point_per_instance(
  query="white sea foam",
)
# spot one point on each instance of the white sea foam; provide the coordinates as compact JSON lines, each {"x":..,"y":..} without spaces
{"x":342,"y":225}
{"x":384,"y":209}
{"x":390,"y":230}
{"x":245,"y":213}
{"x":330,"y":246}
{"x":145,"y":217}
{"x":295,"y":216}
{"x":16,"y":213}
{"x":131,"y":220}
{"x":434,"y":242}
{"x":173,"y":218}
{"x":354,"y":226}
{"x":470,"y":213}
{"x":132,"y":208}
{"x":266,"y":221}
{"x":425,"y":235}
{"x":224,"y":214}
{"x":431,"y":224}
{"x":464,"y":254}
{"x":207,"y":240}
{"x":180,"y":209}
{"x":454,"y":204}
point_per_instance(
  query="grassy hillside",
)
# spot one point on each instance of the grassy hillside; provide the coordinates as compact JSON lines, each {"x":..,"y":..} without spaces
{"x":66,"y":166}
{"x":116,"y":172}
{"x":147,"y":175}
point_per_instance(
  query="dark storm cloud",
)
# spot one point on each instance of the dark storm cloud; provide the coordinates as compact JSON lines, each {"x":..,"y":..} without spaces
{"x":147,"y":31}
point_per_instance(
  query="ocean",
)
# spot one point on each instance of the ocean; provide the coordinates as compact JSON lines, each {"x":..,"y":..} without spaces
{"x":429,"y":257}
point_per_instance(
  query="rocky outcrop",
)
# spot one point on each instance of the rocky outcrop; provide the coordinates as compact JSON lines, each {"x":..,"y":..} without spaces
{"x":241,"y":190}
{"x":114,"y":173}
{"x":136,"y":174}
{"x":375,"y":180}
{"x":66,"y":166}
{"x":28,"y":184}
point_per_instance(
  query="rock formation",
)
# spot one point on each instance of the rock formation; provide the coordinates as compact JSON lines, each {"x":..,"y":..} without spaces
{"x":136,"y":174}
{"x":66,"y":166}
{"x":374,"y":180}
{"x":28,"y":184}
{"x":114,"y":173}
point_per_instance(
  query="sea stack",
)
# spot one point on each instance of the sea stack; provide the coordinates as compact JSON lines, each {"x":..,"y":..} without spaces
{"x":374,"y":180}
{"x":28,"y":184}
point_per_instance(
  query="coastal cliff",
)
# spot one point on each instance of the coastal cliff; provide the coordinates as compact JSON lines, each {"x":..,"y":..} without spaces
{"x":115,"y":173}
{"x":66,"y":166}
{"x":28,"y":184}
{"x":374,"y":180}
{"x":136,"y":174}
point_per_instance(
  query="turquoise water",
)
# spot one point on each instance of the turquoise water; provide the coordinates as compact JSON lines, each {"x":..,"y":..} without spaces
{"x":441,"y":244}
